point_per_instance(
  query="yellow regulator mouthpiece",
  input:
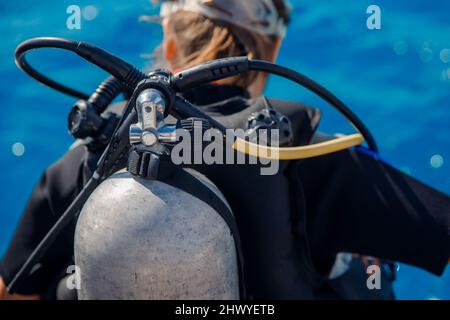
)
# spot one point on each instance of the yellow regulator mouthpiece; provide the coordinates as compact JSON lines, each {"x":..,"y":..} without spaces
{"x":301,"y":152}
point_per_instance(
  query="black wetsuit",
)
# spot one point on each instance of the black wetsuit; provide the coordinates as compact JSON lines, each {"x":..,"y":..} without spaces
{"x":292,"y":224}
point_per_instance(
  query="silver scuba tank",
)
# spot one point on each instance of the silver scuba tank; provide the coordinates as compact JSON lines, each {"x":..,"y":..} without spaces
{"x":143,"y":239}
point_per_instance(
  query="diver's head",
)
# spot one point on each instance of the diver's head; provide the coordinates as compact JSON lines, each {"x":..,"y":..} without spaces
{"x":196,"y":31}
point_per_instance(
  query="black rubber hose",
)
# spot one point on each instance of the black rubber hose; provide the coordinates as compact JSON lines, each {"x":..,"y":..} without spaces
{"x":224,"y":68}
{"x":184,"y":109}
{"x":105,"y":93}
{"x":115,"y":66}
{"x":259,"y":65}
{"x":23,"y":64}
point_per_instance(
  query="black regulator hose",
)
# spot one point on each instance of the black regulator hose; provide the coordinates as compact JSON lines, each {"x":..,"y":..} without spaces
{"x":105,"y":93}
{"x":224,"y":68}
{"x":259,"y":65}
{"x":123,"y":71}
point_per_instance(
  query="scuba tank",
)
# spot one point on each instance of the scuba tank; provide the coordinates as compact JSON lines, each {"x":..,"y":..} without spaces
{"x":144,"y":239}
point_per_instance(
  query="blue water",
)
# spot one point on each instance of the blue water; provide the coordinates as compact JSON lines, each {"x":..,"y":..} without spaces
{"x":393,"y":78}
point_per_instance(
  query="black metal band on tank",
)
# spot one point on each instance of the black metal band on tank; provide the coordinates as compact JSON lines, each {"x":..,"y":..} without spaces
{"x":150,"y":166}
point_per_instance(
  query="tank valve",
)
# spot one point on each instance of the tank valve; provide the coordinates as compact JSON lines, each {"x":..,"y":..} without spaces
{"x":150,"y":106}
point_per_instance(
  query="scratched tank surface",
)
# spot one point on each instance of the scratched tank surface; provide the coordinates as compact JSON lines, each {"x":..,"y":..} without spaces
{"x":141,"y":239}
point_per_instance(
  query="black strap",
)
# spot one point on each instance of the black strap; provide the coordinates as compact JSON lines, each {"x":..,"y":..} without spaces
{"x":150,"y":166}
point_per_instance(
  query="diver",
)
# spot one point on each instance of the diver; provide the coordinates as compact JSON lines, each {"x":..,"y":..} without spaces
{"x":304,"y":230}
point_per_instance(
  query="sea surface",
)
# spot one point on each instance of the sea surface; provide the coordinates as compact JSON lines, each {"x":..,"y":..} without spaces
{"x":397,"y":79}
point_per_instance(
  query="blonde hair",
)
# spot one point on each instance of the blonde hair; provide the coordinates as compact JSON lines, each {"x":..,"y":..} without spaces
{"x":200,"y":39}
